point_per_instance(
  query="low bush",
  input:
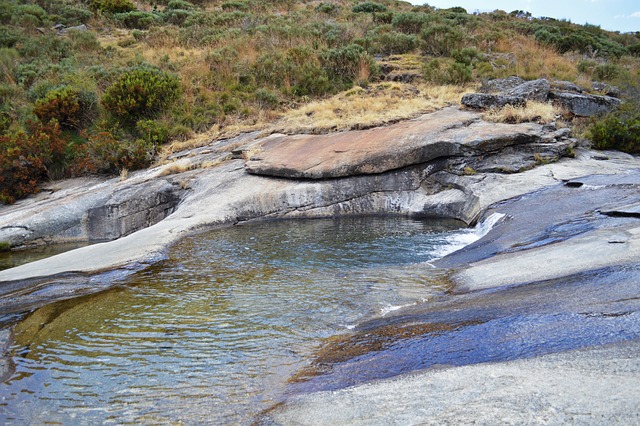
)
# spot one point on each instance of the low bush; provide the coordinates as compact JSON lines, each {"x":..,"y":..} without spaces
{"x":112,"y":6}
{"x":311,"y":80}
{"x":410,"y":22}
{"x":180,"y":4}
{"x":607,"y":72}
{"x":447,"y":71}
{"x":141,"y":92}
{"x":267,"y":98}
{"x":27,"y":159}
{"x":347,"y":64}
{"x":395,"y":43}
{"x":619,"y":130}
{"x":369,"y":7}
{"x":105,"y":153}
{"x":138,"y":19}
{"x":441,"y":39}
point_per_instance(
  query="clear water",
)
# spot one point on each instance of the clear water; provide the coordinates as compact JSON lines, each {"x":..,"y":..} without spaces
{"x":212,"y":334}
{"x":11,"y":259}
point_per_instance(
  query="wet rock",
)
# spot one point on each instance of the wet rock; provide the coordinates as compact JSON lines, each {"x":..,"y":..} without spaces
{"x":486,"y":100}
{"x":535,"y":90}
{"x":585,"y":105}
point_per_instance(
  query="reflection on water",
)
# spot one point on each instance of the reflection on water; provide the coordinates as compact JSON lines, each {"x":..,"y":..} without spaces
{"x":212,"y":334}
{"x":11,"y":259}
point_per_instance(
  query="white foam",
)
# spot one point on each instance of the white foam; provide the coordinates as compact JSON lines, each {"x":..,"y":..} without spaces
{"x":468,"y":236}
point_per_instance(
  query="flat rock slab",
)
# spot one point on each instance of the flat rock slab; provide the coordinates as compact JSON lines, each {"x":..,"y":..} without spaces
{"x":448,"y":132}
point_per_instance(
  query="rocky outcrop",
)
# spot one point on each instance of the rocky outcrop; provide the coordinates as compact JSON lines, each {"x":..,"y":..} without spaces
{"x":585,"y":105}
{"x":535,"y":90}
{"x":515,"y":91}
{"x":454,"y":169}
{"x":446,"y":133}
{"x":89,"y":210}
{"x":487,"y":100}
{"x":501,"y":85}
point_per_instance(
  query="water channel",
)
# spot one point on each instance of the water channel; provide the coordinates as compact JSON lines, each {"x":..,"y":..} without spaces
{"x":212,"y":334}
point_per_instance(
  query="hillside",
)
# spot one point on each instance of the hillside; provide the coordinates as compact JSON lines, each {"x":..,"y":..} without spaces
{"x":107,"y":86}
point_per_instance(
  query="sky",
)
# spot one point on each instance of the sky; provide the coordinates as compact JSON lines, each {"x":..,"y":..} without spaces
{"x":612,"y":15}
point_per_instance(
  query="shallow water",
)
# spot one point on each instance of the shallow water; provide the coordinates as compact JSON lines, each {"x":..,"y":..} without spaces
{"x":212,"y":334}
{"x":11,"y":259}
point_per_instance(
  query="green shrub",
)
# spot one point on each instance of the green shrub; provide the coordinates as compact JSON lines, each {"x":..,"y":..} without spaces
{"x":447,"y":71}
{"x":467,"y":56}
{"x":619,"y":130}
{"x":84,"y":41}
{"x":8,"y":37}
{"x":383,"y":17}
{"x":176,"y":16}
{"x":234,"y":5}
{"x":267,"y":98}
{"x":180,"y":5}
{"x":29,"y":15}
{"x":104,"y":153}
{"x":137,"y":19}
{"x":141,"y":92}
{"x":311,"y":80}
{"x":607,"y":72}
{"x":271,"y":69}
{"x":634,"y":49}
{"x":112,"y":6}
{"x":331,"y":9}
{"x":395,"y":43}
{"x":152,"y":131}
{"x":347,"y":63}
{"x":369,"y":7}
{"x":410,"y":22}
{"x":72,"y":15}
{"x":8,"y":64}
{"x":441,"y":39}
{"x":586,"y":66}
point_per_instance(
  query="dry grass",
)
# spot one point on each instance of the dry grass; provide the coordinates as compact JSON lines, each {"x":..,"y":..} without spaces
{"x":539,"y":112}
{"x":536,"y":61}
{"x":361,"y":108}
{"x":175,"y":168}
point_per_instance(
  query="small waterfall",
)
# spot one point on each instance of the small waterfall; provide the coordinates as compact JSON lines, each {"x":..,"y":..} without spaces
{"x":459,"y":240}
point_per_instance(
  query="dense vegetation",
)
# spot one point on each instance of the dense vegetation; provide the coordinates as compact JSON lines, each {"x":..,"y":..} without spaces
{"x":103,"y":99}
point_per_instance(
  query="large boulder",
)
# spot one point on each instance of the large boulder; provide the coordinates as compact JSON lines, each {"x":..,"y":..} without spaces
{"x":486,"y":100}
{"x":585,"y":105}
{"x":501,"y":85}
{"x":446,"y":133}
{"x":535,"y":90}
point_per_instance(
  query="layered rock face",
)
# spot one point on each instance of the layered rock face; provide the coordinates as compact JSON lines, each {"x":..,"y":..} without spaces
{"x":448,"y":164}
{"x":516,"y":92}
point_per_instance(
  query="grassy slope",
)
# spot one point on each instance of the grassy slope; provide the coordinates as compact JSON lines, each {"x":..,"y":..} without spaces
{"x":285,"y":66}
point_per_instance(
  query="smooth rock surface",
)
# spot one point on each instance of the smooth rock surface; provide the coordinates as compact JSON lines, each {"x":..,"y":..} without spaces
{"x":446,"y":133}
{"x":589,"y":386}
